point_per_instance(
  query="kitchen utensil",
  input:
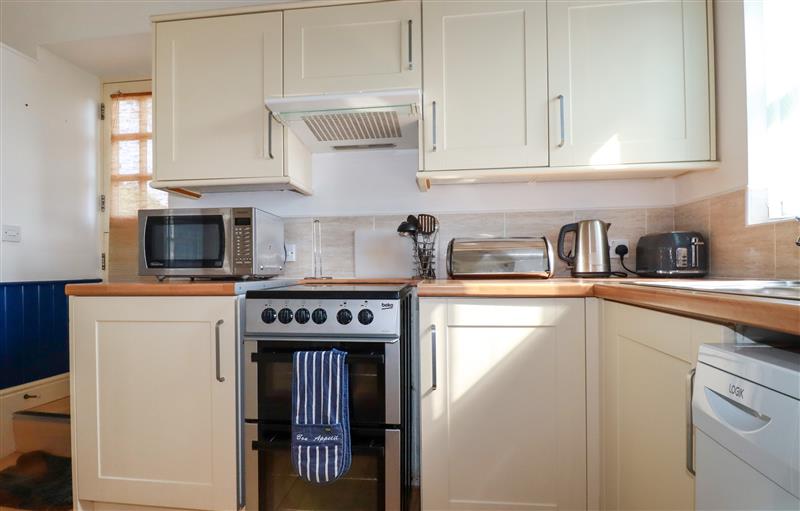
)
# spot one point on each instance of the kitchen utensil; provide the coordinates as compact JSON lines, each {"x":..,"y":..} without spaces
{"x":590,"y":248}
{"x":500,"y":257}
{"x":428,"y":224}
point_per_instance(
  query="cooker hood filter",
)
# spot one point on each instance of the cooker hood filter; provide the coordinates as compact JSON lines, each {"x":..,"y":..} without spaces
{"x":358,"y":121}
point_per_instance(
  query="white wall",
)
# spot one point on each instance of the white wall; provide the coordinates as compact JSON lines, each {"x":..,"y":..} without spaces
{"x":731,"y":110}
{"x":384,"y":183}
{"x":48,"y":167}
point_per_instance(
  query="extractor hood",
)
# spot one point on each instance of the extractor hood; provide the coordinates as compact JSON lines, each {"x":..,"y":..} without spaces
{"x":359,"y":120}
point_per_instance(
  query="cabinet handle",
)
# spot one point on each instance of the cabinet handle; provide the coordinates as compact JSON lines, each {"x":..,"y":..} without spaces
{"x":433,"y":358}
{"x":30,"y":396}
{"x":433,"y":121}
{"x":216,"y":329}
{"x":269,"y":135}
{"x":410,"y":46}
{"x":689,"y":422}
{"x":561,"y":115}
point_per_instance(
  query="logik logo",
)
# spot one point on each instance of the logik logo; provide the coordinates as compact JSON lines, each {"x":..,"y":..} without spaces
{"x":736,"y":391}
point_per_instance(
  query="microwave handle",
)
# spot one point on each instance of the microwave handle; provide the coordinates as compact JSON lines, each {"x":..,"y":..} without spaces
{"x":393,"y":477}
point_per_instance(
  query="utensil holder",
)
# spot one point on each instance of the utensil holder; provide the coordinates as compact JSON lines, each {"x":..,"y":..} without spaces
{"x":425,"y":256}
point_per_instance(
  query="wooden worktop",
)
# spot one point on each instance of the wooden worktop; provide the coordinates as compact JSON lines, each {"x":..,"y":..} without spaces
{"x":769,"y":313}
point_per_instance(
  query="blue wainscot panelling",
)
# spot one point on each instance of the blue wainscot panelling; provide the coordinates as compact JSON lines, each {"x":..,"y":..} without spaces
{"x":34,"y":331}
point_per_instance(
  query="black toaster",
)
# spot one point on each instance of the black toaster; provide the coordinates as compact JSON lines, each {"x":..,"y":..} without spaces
{"x":672,"y":254}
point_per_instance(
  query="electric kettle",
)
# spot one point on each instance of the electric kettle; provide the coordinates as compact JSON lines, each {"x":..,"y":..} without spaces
{"x":591,"y":258}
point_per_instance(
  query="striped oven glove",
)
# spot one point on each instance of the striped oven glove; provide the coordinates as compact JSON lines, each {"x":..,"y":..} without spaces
{"x":321,"y":423}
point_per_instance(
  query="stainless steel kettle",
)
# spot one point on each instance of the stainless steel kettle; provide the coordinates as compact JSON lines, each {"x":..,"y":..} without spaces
{"x":591,"y":258}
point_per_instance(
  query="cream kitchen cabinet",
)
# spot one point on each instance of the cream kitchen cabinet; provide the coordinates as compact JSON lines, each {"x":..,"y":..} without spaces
{"x":153,"y":389}
{"x":348,"y":48}
{"x":628,"y":82}
{"x":646,"y":361}
{"x":485,"y":85}
{"x":503,"y":404}
{"x":211,"y":126}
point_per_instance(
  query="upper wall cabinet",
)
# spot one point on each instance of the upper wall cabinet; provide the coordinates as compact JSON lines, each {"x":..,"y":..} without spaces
{"x":211,"y":126}
{"x":349,"y":48}
{"x":629,"y":82}
{"x":485,"y":84}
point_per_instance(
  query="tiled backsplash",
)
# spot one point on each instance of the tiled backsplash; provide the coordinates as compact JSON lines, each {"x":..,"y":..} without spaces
{"x":736,"y":250}
{"x":763,"y":251}
{"x":338,"y":233}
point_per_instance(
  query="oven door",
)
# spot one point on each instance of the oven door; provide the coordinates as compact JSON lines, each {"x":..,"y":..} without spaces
{"x":372,"y":483}
{"x":188,"y":242}
{"x":374,"y":369}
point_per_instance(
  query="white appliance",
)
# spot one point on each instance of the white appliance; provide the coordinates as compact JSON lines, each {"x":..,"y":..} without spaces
{"x":746,"y":408}
{"x":359,"y":120}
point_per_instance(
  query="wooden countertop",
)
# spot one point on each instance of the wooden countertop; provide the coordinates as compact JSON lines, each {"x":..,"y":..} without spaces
{"x":769,"y":313}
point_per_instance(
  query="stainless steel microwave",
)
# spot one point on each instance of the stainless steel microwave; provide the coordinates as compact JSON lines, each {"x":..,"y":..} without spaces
{"x":210,"y":242}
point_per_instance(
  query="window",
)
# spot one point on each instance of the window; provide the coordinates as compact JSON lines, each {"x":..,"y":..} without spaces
{"x":772,"y":42}
{"x":129,"y":170}
{"x":132,"y":155}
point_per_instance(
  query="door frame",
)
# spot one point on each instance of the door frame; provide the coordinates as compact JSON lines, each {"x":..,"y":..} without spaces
{"x":104,"y":177}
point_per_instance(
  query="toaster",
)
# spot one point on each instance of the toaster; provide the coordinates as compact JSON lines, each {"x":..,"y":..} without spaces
{"x":672,"y":254}
{"x":500,"y":257}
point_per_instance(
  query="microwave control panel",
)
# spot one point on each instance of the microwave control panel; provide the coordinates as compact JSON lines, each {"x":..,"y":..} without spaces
{"x":243,"y":241}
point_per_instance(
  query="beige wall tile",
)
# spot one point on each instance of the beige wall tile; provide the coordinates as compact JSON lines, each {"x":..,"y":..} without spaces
{"x":540,"y":223}
{"x":735,"y":249}
{"x":694,"y":216}
{"x":626,"y":224}
{"x":787,"y":253}
{"x":297,"y":231}
{"x":659,"y":220}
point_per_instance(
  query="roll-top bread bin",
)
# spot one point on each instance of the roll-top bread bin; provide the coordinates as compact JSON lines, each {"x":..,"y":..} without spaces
{"x":500,"y":258}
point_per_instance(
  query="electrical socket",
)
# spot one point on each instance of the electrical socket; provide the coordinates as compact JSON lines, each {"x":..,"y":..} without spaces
{"x":12,"y":233}
{"x":615,"y":243}
{"x":291,"y":253}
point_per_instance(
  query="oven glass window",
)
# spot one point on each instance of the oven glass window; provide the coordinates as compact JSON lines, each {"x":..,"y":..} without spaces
{"x":366,"y":384}
{"x":361,"y":488}
{"x":191,"y":241}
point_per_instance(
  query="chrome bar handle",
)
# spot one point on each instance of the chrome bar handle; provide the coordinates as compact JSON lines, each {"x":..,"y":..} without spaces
{"x":269,"y":135}
{"x":689,"y":421}
{"x":410,"y":46}
{"x":433,"y":125}
{"x":433,"y":358}
{"x":216,"y":329}
{"x":562,"y":116}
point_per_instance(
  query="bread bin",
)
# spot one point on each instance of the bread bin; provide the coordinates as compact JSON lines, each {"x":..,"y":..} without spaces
{"x":524,"y":257}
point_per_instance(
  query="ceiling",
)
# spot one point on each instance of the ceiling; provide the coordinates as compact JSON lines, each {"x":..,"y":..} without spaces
{"x":109,"y":39}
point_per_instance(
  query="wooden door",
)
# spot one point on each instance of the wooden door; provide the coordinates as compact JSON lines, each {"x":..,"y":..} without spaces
{"x":485,"y":84}
{"x":212,"y":76}
{"x":152,"y":425}
{"x":646,"y":360}
{"x":350,"y":48}
{"x":505,"y":426}
{"x":629,"y":81}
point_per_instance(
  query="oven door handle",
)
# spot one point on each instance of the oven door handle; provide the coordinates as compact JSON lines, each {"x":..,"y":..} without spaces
{"x":287,"y":357}
{"x":330,"y":338}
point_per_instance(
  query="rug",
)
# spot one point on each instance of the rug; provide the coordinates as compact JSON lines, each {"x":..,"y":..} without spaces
{"x":39,"y":481}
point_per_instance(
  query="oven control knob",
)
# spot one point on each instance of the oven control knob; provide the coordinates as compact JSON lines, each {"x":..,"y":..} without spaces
{"x":302,"y":316}
{"x":365,"y":317}
{"x":319,"y":316}
{"x":268,"y":315}
{"x":285,"y":316}
{"x":344,"y":316}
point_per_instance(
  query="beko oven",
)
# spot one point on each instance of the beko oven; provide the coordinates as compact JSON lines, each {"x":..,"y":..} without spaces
{"x":374,"y":325}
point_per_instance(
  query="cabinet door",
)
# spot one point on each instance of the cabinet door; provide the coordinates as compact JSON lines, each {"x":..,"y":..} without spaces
{"x":212,"y":76}
{"x":485,"y":86}
{"x":646,"y":360}
{"x":353,"y":48}
{"x":628,"y":81}
{"x":505,"y":425}
{"x":152,"y":425}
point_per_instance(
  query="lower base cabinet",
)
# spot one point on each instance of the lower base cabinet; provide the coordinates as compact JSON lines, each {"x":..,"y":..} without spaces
{"x":503,"y":404}
{"x":646,"y":361}
{"x":154,"y":402}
